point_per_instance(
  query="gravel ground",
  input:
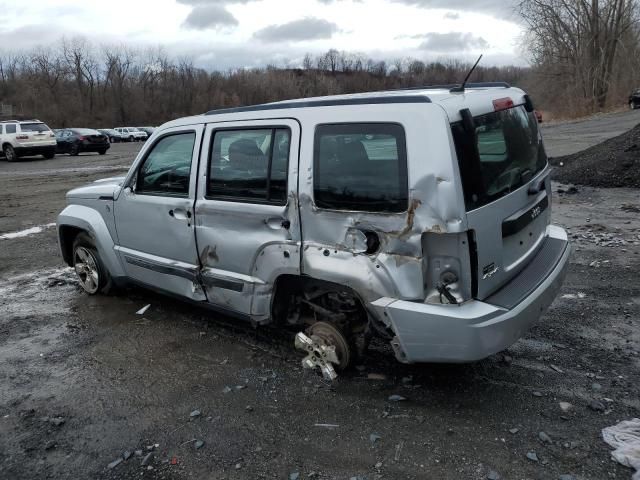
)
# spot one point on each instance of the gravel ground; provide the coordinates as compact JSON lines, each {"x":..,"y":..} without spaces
{"x":86,"y":381}
{"x":613,"y":163}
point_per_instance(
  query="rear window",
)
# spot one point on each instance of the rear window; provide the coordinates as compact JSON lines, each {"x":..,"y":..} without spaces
{"x":361,"y":167}
{"x":505,"y":153}
{"x":33,"y":127}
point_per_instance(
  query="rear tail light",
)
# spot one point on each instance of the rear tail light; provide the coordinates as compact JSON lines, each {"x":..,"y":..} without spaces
{"x":502,"y":103}
{"x":22,"y":137}
{"x":81,"y":138}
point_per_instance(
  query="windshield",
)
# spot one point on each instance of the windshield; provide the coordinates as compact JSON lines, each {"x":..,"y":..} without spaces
{"x":34,"y":127}
{"x":505,"y":153}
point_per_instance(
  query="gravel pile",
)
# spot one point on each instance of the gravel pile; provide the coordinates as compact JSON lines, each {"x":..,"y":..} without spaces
{"x":613,"y":163}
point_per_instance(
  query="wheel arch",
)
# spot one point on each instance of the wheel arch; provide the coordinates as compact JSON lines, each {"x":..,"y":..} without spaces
{"x":79,"y":218}
{"x":288,"y":285}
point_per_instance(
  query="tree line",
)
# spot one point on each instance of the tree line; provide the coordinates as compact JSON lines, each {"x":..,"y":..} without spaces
{"x":79,"y":83}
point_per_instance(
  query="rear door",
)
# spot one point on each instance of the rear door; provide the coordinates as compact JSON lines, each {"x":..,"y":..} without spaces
{"x":507,"y":192}
{"x":247,"y":226}
{"x":35,"y":135}
{"x":154,"y":214}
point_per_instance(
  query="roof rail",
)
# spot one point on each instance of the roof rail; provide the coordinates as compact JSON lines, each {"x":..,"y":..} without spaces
{"x":471,"y":85}
{"x":372,"y":100}
{"x":23,"y":120}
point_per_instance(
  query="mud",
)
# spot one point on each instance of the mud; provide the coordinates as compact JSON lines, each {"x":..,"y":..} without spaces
{"x":86,"y":379}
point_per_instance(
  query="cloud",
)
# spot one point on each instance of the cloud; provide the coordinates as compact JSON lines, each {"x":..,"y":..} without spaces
{"x":499,"y":8}
{"x":451,"y":16}
{"x":309,"y":28}
{"x":203,"y":17}
{"x":452,"y":42}
{"x":211,"y":2}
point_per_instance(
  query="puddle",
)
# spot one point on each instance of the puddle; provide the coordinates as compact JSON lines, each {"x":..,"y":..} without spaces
{"x":27,"y":232}
{"x":33,"y":293}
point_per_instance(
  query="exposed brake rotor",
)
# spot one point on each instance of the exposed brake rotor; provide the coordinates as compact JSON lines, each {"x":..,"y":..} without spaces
{"x":326,"y":348}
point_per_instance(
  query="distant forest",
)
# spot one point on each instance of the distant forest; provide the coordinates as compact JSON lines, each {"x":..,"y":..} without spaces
{"x":585,"y":57}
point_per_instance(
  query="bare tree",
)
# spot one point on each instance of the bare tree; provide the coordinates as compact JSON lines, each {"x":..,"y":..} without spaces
{"x":579,"y":40}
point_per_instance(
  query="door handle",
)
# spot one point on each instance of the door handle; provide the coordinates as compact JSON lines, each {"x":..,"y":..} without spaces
{"x":180,"y":214}
{"x":276,"y":223}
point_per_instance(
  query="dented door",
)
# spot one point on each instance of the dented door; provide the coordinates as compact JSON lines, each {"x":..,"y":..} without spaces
{"x":246,"y":213}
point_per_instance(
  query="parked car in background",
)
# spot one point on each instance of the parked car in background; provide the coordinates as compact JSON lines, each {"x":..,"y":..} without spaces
{"x":77,"y":140}
{"x":25,"y":138}
{"x":112,"y":135}
{"x":538,"y":115}
{"x":634,"y":99}
{"x":131,"y":134}
{"x":148,"y":130}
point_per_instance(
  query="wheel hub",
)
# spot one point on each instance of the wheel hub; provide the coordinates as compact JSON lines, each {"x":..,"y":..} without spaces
{"x":326,"y":348}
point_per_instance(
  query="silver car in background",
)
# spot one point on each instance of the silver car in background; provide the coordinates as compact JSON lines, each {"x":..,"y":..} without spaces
{"x":419,"y":216}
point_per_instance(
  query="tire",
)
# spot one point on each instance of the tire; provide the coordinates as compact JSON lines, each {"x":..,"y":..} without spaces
{"x":10,"y":153}
{"x":131,"y":138}
{"x":112,"y":140}
{"x":75,"y":150}
{"x":92,"y":275}
{"x":49,"y":155}
{"x":102,"y":152}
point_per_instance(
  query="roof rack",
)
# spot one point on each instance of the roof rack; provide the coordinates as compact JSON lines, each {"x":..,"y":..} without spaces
{"x":454,"y":85}
{"x":371,"y":100}
{"x":18,"y":121}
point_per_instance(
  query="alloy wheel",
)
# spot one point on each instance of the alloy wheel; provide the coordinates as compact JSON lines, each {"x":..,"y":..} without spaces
{"x":86,"y":268}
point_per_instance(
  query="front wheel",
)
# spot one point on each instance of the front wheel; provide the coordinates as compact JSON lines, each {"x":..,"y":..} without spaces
{"x":92,"y":275}
{"x":10,"y":153}
{"x":102,"y":152}
{"x":131,"y":138}
{"x":49,"y":155}
{"x":75,"y":150}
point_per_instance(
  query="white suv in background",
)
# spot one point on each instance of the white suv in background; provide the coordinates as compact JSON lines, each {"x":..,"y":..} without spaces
{"x":130,"y":134}
{"x":28,"y":137}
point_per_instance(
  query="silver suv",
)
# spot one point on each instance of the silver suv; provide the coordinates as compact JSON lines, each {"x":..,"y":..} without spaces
{"x":24,"y":138}
{"x":420,"y":216}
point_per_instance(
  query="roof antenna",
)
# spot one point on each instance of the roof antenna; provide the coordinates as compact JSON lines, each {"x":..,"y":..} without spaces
{"x":461,"y":87}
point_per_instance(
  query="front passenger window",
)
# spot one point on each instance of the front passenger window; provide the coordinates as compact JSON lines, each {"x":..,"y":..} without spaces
{"x":167,"y":168}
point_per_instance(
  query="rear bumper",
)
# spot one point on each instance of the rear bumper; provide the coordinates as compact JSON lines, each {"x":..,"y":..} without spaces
{"x":474,"y":330}
{"x":94,"y":147}
{"x":24,"y":150}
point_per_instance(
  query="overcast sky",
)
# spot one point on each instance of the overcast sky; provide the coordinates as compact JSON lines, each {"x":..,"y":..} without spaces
{"x":245,"y":33}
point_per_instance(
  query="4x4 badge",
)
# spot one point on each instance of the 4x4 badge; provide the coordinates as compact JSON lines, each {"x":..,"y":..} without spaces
{"x":489,"y":271}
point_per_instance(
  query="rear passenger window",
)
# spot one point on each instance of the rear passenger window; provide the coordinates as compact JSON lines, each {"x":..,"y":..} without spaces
{"x":250,"y":165}
{"x":361,"y":167}
{"x":167,"y":168}
{"x":11,"y":128}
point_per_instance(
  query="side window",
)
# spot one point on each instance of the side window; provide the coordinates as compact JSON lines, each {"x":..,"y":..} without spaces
{"x":167,"y":168}
{"x":361,"y":167}
{"x":11,"y":128}
{"x":250,"y":165}
{"x":1,"y":129}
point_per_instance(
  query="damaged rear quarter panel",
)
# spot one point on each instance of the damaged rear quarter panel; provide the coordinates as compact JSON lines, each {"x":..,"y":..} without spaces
{"x":435,"y":205}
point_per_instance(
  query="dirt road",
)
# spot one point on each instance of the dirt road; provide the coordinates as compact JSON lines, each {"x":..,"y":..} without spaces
{"x":85,"y":380}
{"x":565,"y":138}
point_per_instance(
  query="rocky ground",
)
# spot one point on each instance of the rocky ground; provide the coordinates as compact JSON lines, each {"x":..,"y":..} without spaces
{"x":613,"y":163}
{"x":90,"y":389}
